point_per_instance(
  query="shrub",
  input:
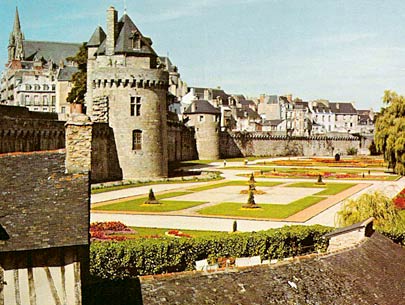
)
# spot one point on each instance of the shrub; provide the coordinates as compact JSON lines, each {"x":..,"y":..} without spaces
{"x":351,"y":151}
{"x":128,"y":259}
{"x":337,"y":157}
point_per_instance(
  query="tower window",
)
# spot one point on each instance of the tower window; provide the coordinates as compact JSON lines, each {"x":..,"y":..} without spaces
{"x":136,"y":139}
{"x":135,"y":105}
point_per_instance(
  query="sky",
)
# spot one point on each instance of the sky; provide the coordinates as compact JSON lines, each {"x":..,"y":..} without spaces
{"x":333,"y":49}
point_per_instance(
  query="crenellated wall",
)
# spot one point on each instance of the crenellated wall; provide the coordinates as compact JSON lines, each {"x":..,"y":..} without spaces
{"x":26,"y":134}
{"x":261,"y":144}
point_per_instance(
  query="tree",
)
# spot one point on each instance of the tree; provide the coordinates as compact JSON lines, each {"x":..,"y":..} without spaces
{"x":151,"y":198}
{"x":368,"y":205}
{"x":79,"y":79}
{"x":389,"y":135}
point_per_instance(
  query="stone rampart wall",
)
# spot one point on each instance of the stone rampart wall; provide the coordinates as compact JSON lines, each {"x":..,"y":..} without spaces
{"x":25,"y":134}
{"x":181,"y":142}
{"x":262,"y":144}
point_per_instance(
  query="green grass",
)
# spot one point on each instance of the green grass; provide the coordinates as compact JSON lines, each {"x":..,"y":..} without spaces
{"x":232,"y":183}
{"x":140,"y":183}
{"x":278,"y":211}
{"x":329,"y":188}
{"x":139,"y":206}
{"x":160,"y":233}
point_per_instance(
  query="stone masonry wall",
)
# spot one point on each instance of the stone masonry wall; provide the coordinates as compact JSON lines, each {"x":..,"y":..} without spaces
{"x":261,"y":144}
{"x":181,"y":143}
{"x":25,"y":134}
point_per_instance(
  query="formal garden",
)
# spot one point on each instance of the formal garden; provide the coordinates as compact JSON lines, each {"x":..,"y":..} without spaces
{"x":240,"y":199}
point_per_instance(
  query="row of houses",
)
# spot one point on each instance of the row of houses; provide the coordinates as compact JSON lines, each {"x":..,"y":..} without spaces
{"x":280,"y":114}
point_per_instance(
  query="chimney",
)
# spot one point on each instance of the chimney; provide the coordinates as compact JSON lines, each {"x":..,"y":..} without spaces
{"x":350,"y":236}
{"x":193,"y":106}
{"x":289,"y":97}
{"x":78,"y":139}
{"x":337,"y":106}
{"x":112,"y":30}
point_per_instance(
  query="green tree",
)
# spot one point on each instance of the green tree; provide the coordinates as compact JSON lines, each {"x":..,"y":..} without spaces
{"x":389,"y":135}
{"x":79,"y":79}
{"x":377,"y":205}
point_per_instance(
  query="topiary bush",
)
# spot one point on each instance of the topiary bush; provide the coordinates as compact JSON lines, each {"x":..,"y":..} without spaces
{"x":128,"y":259}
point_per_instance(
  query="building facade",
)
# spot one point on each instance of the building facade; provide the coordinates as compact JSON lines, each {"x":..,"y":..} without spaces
{"x":30,"y":77}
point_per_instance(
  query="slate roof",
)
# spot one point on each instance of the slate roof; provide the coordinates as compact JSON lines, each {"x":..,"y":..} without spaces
{"x":49,"y":50}
{"x":41,"y":206}
{"x":97,"y":38}
{"x":247,"y":113}
{"x":342,"y":108}
{"x":66,"y":73}
{"x":201,"y":106}
{"x":371,"y":273}
{"x":123,"y":45}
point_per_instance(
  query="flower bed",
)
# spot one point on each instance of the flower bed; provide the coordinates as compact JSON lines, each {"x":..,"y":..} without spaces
{"x":109,"y":230}
{"x":356,"y":162}
{"x":399,"y":200}
{"x":177,"y":234}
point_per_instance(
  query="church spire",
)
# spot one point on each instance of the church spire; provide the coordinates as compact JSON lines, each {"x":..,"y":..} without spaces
{"x":17,"y":26}
{"x":15,"y":47}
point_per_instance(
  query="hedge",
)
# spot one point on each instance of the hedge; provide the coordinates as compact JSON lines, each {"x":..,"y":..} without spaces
{"x":128,"y":259}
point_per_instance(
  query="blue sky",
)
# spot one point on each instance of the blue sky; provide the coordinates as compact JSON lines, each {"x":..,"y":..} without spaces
{"x":334,"y":49}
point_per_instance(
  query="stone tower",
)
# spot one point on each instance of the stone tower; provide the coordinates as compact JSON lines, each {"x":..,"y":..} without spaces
{"x":15,"y":43}
{"x":205,"y":119}
{"x":127,"y":88}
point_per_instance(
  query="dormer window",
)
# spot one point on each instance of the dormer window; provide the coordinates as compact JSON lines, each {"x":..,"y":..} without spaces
{"x":136,"y":40}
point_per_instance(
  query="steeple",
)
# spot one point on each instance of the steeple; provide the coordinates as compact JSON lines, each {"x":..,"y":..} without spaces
{"x":15,"y":46}
{"x":17,"y":26}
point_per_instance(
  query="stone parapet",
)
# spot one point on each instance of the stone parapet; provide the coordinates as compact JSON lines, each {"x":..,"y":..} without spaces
{"x":130,"y":78}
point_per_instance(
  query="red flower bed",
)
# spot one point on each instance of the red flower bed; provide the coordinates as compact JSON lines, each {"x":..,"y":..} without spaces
{"x":177,"y":233}
{"x":106,"y":230}
{"x":399,"y":200}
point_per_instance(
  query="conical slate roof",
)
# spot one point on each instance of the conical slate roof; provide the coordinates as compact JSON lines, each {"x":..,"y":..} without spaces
{"x":97,"y":38}
{"x":126,"y":35}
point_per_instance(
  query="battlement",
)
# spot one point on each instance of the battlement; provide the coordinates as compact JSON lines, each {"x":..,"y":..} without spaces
{"x":128,"y":78}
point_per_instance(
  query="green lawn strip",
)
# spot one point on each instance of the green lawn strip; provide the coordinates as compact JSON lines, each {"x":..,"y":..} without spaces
{"x":329,"y":188}
{"x":232,"y":183}
{"x":139,"y":206}
{"x":160,"y":233}
{"x":140,"y":183}
{"x":278,"y":211}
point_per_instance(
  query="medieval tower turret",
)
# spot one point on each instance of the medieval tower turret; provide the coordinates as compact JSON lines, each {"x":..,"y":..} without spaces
{"x":205,"y":119}
{"x":127,"y":88}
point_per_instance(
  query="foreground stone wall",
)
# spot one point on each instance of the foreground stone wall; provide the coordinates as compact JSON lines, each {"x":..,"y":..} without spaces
{"x":262,"y":144}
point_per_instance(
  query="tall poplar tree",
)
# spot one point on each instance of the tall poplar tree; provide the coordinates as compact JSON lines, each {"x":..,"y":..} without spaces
{"x":389,"y":134}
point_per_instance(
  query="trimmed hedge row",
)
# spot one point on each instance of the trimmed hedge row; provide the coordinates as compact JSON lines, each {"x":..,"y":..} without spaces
{"x":128,"y":259}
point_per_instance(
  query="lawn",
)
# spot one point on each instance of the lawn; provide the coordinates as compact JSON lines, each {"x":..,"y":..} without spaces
{"x":139,"y":206}
{"x":276,"y":211}
{"x":127,"y":184}
{"x":329,"y":188}
{"x":232,"y":183}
